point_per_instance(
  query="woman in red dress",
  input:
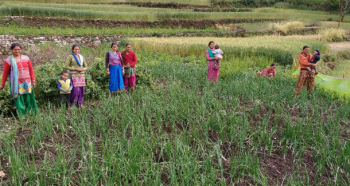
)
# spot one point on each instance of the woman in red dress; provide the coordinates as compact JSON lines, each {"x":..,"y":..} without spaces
{"x":130,"y":60}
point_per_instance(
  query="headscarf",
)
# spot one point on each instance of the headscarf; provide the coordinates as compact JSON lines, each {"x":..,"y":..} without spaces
{"x":14,"y":77}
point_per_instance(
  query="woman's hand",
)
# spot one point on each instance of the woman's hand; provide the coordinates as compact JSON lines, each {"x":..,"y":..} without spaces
{"x":82,"y":70}
{"x":108,"y":73}
{"x":1,"y":87}
{"x":34,"y":85}
{"x":216,"y":58}
{"x":78,"y":69}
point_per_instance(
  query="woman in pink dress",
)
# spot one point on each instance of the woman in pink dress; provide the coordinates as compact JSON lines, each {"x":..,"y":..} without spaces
{"x":213,"y":73}
{"x":269,"y":71}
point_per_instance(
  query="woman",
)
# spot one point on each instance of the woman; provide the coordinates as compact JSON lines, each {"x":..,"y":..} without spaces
{"x":213,"y":73}
{"x":269,"y":71}
{"x":130,"y":61}
{"x":22,"y":81}
{"x":114,"y":67}
{"x":77,"y":65}
{"x":305,"y":78}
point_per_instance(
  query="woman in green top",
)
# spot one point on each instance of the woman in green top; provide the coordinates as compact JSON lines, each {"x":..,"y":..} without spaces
{"x":77,"y":65}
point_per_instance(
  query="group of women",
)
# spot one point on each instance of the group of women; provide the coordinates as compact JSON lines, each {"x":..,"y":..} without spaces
{"x":119,"y":66}
{"x":18,"y":68}
{"x":305,"y":78}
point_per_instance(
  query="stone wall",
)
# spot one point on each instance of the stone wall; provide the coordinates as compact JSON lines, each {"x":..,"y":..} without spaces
{"x":93,"y":41}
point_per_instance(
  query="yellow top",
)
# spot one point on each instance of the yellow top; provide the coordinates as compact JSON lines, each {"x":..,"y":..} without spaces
{"x":64,"y":85}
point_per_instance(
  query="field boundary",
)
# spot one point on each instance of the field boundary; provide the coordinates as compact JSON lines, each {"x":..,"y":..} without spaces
{"x":172,"y":5}
{"x":161,"y":23}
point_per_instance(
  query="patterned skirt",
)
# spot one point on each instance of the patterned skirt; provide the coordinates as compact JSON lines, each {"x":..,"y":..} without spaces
{"x":78,"y":80}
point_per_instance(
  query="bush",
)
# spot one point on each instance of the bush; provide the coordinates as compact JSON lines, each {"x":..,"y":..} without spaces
{"x":345,"y":54}
{"x":286,"y":27}
{"x":47,"y":75}
{"x":284,"y":5}
{"x":332,"y":35}
{"x":328,"y":58}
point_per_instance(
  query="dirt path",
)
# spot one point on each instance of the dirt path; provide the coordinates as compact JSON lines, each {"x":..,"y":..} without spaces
{"x":339,"y":46}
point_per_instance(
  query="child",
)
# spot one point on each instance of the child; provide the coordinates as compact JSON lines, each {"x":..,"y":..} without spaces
{"x":316,"y":56}
{"x":269,"y":71}
{"x":217,"y":53}
{"x":65,"y":86}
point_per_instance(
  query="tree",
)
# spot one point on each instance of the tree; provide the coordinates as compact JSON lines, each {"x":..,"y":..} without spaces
{"x":343,"y":9}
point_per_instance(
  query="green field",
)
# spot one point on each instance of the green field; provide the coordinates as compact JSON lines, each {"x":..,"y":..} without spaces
{"x":186,"y":127}
{"x":195,"y":2}
{"x":12,"y":29}
{"x":177,"y":128}
{"x":122,"y":12}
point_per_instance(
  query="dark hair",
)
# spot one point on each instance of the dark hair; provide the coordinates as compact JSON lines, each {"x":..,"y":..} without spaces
{"x":305,"y":47}
{"x":14,"y":45}
{"x":273,"y":64}
{"x":64,"y":72}
{"x":75,"y":45}
{"x":318,"y":51}
{"x":114,"y":43}
{"x":217,"y":46}
{"x":127,"y":44}
{"x":210,"y":42}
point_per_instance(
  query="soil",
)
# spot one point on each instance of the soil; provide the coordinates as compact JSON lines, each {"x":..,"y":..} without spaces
{"x":161,"y":23}
{"x":222,"y":10}
{"x":280,"y":167}
{"x":339,"y":46}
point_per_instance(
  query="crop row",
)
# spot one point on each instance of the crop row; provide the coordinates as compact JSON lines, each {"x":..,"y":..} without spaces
{"x":185,"y":131}
{"x":195,"y":2}
{"x":136,"y":13}
{"x":280,"y":49}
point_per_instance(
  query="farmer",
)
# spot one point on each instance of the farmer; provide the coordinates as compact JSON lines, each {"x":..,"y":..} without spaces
{"x":22,"y":81}
{"x":130,"y":61}
{"x":77,"y":65}
{"x":213,"y":73}
{"x":268,"y":71}
{"x":305,"y":78}
{"x":115,"y":68}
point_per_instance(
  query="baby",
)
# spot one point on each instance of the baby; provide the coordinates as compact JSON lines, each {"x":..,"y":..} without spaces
{"x":316,"y":56}
{"x":217,"y":53}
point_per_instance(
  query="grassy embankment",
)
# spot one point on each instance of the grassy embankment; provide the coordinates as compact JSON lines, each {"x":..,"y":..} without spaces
{"x":122,"y":12}
{"x":195,"y":2}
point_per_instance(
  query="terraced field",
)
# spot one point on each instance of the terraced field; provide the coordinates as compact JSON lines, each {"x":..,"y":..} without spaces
{"x":177,"y":128}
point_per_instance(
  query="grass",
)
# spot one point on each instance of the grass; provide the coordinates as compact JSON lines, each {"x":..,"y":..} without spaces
{"x":195,"y":2}
{"x":280,"y":49}
{"x":186,"y":127}
{"x":77,"y":31}
{"x":136,"y":13}
{"x":341,"y":70}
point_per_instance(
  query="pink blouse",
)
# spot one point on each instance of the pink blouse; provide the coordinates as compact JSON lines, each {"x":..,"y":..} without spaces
{"x":268,"y":71}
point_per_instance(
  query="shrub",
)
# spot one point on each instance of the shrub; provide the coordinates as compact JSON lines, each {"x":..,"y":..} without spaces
{"x":345,"y":54}
{"x":328,"y":58}
{"x":332,"y":35}
{"x":97,"y":82}
{"x":284,"y":5}
{"x":286,"y":27}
